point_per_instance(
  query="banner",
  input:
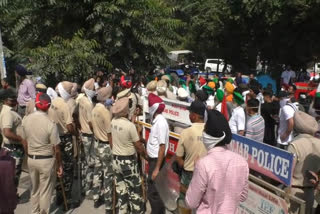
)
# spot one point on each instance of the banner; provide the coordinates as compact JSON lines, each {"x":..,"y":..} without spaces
{"x":175,"y":110}
{"x":261,"y":201}
{"x":270,"y":161}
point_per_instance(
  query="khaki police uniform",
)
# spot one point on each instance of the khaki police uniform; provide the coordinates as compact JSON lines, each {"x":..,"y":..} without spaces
{"x":134,"y":101}
{"x":30,"y":107}
{"x":12,"y":120}
{"x":42,"y":135}
{"x":190,"y":147}
{"x":72,"y":106}
{"x":306,"y":149}
{"x":59,"y":112}
{"x":125,"y":167}
{"x":103,"y":173}
{"x":85,"y":117}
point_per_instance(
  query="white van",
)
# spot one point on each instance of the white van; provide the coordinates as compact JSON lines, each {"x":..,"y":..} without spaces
{"x":211,"y":65}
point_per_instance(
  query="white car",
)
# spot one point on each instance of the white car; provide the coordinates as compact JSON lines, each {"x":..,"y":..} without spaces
{"x":211,"y":65}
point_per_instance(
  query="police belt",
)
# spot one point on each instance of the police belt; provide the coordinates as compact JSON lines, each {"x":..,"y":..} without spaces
{"x":87,"y":135}
{"x":66,"y":136}
{"x":103,"y":142}
{"x":12,"y":146}
{"x":302,"y":187}
{"x":124,"y":157}
{"x":35,"y":157}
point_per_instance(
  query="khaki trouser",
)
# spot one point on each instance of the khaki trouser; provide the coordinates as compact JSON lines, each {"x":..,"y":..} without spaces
{"x":306,"y":195}
{"x":43,"y":177}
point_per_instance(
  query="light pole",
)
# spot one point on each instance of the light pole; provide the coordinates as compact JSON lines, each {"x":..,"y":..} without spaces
{"x":3,"y":71}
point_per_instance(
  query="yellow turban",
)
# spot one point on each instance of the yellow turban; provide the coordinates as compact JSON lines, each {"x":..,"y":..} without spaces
{"x":212,"y":85}
{"x":229,"y":88}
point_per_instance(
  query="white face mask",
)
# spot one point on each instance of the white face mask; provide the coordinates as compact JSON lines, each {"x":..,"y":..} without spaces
{"x":284,"y":102}
{"x":209,"y":141}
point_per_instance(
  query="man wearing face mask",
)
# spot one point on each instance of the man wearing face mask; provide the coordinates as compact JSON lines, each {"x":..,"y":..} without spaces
{"x":255,"y":122}
{"x":85,"y":119}
{"x":126,"y":144}
{"x":218,"y":168}
{"x":60,"y":113}
{"x":286,"y":121}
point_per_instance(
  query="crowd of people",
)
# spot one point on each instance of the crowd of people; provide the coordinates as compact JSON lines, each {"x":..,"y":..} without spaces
{"x":89,"y":132}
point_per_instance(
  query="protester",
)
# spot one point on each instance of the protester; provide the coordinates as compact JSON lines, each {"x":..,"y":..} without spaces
{"x":44,"y":154}
{"x":255,"y":93}
{"x":229,"y":170}
{"x":237,"y":121}
{"x":218,"y":100}
{"x":103,"y":173}
{"x":255,"y":125}
{"x":26,"y":89}
{"x":288,"y":76}
{"x":171,"y":90}
{"x":252,"y":78}
{"x":269,"y":112}
{"x":157,"y":148}
{"x":60,"y":113}
{"x":306,"y":149}
{"x":126,"y":143}
{"x":190,"y":146}
{"x":239,"y":79}
{"x":286,"y":122}
{"x":229,"y":88}
{"x":291,"y":90}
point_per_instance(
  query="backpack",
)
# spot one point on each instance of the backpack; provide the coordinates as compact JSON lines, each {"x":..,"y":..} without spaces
{"x":303,"y":120}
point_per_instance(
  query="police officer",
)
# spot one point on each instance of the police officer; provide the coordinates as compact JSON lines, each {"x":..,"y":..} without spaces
{"x":103,"y":174}
{"x":30,"y":106}
{"x":60,"y":113}
{"x":10,"y":123}
{"x":43,"y":152}
{"x":126,"y":144}
{"x":85,"y":119}
{"x":134,"y":101}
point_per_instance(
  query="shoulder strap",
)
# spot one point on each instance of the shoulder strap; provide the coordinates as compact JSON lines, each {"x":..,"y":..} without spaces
{"x":293,"y":106}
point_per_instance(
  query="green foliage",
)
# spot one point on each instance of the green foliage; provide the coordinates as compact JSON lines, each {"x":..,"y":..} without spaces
{"x":122,"y":32}
{"x":75,"y":37}
{"x":283,"y":31}
{"x":138,"y":31}
{"x":73,"y":59}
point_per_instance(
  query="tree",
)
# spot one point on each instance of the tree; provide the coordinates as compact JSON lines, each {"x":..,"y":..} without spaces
{"x":73,"y":59}
{"x":125,"y":33}
{"x":135,"y":32}
{"x":283,"y":31}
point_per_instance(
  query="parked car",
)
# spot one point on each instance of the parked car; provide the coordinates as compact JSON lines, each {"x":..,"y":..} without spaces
{"x":211,"y":65}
